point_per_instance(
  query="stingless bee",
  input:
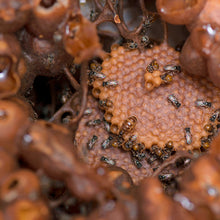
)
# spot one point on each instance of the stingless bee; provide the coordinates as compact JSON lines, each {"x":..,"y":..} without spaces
{"x":173,"y":100}
{"x":203,"y":103}
{"x":215,"y":115}
{"x":96,"y":75}
{"x":137,"y":163}
{"x":171,"y":68}
{"x":108,"y":161}
{"x":110,"y":83}
{"x":91,"y":142}
{"x":188,"y":136}
{"x":131,"y":45}
{"x":152,"y":66}
{"x":93,"y":123}
{"x":88,"y":111}
{"x":106,"y":143}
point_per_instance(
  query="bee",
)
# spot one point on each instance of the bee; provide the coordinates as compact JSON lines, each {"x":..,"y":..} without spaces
{"x":88,"y":111}
{"x":91,"y":142}
{"x":171,"y":68}
{"x":167,"y":77}
{"x":179,"y":46}
{"x":95,"y":66}
{"x":152,"y":66}
{"x":152,"y":159}
{"x":173,"y":100}
{"x":137,"y":163}
{"x":66,"y":94}
{"x":205,"y":142}
{"x":93,"y":123}
{"x":108,"y":161}
{"x":139,"y":155}
{"x":145,"y":40}
{"x":188,"y":136}
{"x":133,"y":138}
{"x":106,"y":125}
{"x":96,"y":75}
{"x":93,"y":15}
{"x":215,"y":115}
{"x":127,"y":146}
{"x":150,"y":18}
{"x":128,"y":125}
{"x":131,"y":45}
{"x":106,"y":143}
{"x":156,"y":150}
{"x":203,"y":103}
{"x":182,"y":162}
{"x":118,"y":141}
{"x":110,"y":83}
{"x":166,"y":177}
{"x":105,"y":103}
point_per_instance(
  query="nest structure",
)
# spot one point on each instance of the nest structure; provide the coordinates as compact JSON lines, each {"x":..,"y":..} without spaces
{"x":99,"y":120}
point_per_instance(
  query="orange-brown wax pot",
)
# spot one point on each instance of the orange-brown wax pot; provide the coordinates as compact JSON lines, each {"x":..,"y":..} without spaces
{"x":14,"y":119}
{"x":12,"y":66}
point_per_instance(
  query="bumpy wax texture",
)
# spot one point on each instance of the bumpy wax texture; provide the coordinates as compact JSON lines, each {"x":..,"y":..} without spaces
{"x":158,"y":120}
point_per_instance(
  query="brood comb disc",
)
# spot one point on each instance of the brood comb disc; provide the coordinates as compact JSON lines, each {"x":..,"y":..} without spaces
{"x":175,"y":111}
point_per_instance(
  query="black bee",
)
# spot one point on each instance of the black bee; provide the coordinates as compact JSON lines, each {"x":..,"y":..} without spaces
{"x":139,"y":155}
{"x":166,"y":177}
{"x":150,"y":18}
{"x":128,"y":145}
{"x":173,"y":100}
{"x":137,"y":163}
{"x":66,"y":94}
{"x":108,"y":161}
{"x":215,"y":115}
{"x":110,"y":83}
{"x":205,"y":142}
{"x":93,"y":15}
{"x":188,"y":136}
{"x":167,"y":77}
{"x":88,"y":111}
{"x":93,"y":123}
{"x":182,"y":162}
{"x":145,"y":40}
{"x":171,"y":68}
{"x":131,"y":45}
{"x":152,"y":66}
{"x":106,"y":143}
{"x":91,"y":142}
{"x":203,"y":103}
{"x":152,"y":159}
{"x":106,"y":125}
{"x":95,"y":66}
{"x":96,"y":75}
{"x":156,"y":150}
